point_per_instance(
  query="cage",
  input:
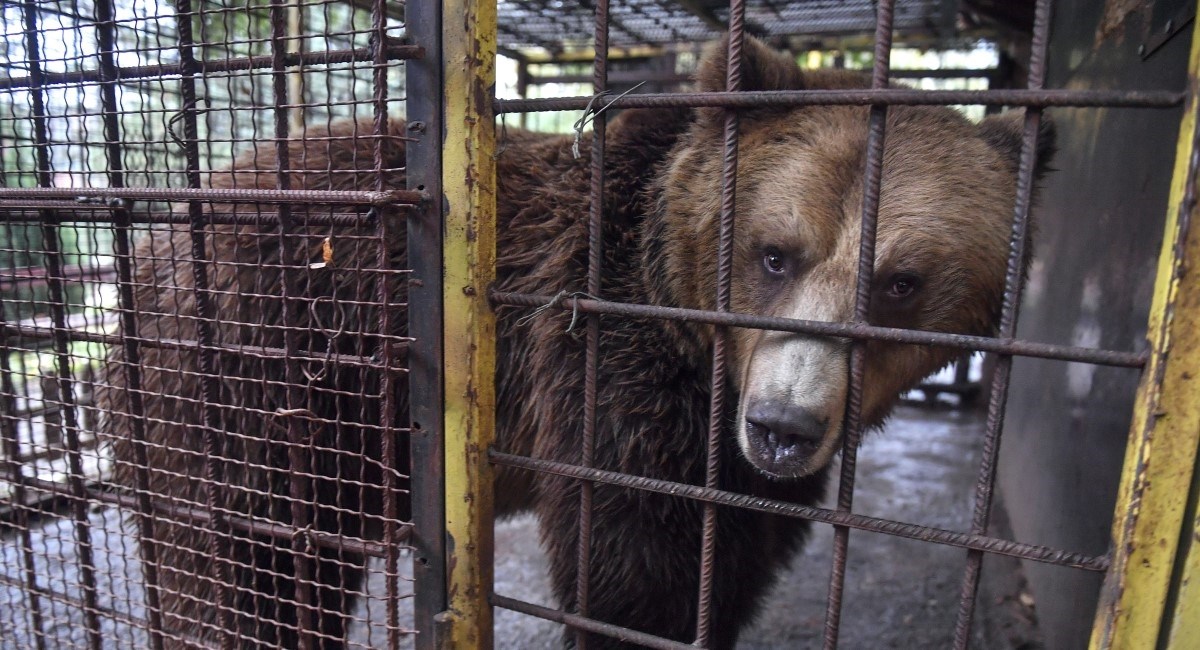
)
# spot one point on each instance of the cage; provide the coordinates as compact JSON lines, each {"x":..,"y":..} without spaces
{"x":263,"y":336}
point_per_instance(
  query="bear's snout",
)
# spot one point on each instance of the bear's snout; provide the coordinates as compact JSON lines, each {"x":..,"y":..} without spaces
{"x":783,"y":437}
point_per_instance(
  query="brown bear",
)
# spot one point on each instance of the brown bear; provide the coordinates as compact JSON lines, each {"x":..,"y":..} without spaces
{"x":944,"y":224}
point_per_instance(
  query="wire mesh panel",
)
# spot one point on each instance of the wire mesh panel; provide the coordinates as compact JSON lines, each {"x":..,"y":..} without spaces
{"x":206,"y":359}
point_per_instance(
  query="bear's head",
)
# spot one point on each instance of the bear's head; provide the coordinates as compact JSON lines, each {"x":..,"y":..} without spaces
{"x":945,"y":214}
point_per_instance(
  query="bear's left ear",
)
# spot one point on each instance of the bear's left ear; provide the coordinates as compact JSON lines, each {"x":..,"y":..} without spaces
{"x":762,"y":68}
{"x":1003,"y":133}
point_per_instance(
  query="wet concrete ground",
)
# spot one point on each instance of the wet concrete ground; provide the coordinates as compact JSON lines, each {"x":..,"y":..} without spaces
{"x":899,"y":593}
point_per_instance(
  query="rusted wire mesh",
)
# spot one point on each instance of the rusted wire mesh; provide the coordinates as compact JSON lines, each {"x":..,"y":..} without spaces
{"x":203,"y":372}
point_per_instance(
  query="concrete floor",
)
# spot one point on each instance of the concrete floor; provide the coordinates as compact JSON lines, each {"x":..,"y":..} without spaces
{"x":899,"y":593}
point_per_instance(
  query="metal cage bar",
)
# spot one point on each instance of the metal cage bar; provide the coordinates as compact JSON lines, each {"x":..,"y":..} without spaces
{"x":469,"y":328}
{"x":1147,"y":599}
{"x":53,"y":260}
{"x":218,"y":530}
{"x":131,"y":350}
{"x":1013,"y":282}
{"x":595,"y":256}
{"x":424,"y":84}
{"x":853,"y":430}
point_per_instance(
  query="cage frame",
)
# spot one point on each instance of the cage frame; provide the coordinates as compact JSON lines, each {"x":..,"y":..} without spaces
{"x":1148,"y":599}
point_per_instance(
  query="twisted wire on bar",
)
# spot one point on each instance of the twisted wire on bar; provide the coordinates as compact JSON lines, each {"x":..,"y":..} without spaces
{"x":592,"y":353}
{"x":298,"y":395}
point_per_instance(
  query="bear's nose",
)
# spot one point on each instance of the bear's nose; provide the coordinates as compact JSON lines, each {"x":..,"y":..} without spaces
{"x":785,"y":426}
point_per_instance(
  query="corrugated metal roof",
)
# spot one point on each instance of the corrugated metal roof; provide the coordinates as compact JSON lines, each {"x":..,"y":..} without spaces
{"x":564,"y":25}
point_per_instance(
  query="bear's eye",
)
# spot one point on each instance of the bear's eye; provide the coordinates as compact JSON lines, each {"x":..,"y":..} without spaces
{"x":774,"y":262}
{"x":903,"y":285}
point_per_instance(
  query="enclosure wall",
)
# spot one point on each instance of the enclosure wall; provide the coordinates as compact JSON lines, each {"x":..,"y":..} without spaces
{"x":1096,"y":252}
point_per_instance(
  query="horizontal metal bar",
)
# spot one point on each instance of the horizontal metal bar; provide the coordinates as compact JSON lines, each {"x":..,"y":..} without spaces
{"x":106,"y":494}
{"x":36,"y":275}
{"x":72,"y":211}
{"x":819,"y":328}
{"x":255,"y":351}
{"x":119,"y":195}
{"x":634,"y":76}
{"x":588,"y":624}
{"x":78,"y":603}
{"x":863,"y":97}
{"x":293,"y":59}
{"x":838,"y":518}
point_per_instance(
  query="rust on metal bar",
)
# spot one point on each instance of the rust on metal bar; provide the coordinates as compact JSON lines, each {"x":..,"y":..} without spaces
{"x":1033,"y":552}
{"x":394,"y":52}
{"x":204,"y":516}
{"x":865,"y":97}
{"x":54,"y":261}
{"x":10,"y":454}
{"x":423,"y":87}
{"x":148,"y":553}
{"x":584,"y":624}
{"x":595,"y":225}
{"x":360,"y":216}
{"x":845,"y":330}
{"x":720,"y":346}
{"x":277,"y":197}
{"x":1013,"y":282}
{"x":218,"y":530}
{"x":469,"y":326}
{"x":256,"y":351}
{"x":869,"y":219}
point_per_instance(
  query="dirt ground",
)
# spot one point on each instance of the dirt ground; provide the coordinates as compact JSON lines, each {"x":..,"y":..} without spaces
{"x":899,"y":593}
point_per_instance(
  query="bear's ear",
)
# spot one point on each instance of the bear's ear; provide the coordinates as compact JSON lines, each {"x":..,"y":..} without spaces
{"x":1003,"y":133}
{"x":762,"y":68}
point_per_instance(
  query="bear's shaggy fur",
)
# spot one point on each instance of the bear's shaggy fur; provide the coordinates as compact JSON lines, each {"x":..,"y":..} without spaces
{"x":947,"y":198}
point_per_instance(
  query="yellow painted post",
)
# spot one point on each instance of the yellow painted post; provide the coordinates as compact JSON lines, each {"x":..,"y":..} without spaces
{"x":469,"y":330}
{"x":1160,"y":461}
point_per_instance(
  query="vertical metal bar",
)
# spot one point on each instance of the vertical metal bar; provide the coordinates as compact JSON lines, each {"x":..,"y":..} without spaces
{"x":583,"y":568}
{"x":872,"y":177}
{"x":219,"y":534}
{"x":58,"y":313}
{"x":423,"y":90}
{"x":1013,"y":281}
{"x":522,"y":88}
{"x":298,"y":430}
{"x":716,"y":412}
{"x":295,"y":29}
{"x":11,"y":453}
{"x":1160,"y":460}
{"x":147,"y":544}
{"x":388,"y":314}
{"x":469,"y":327}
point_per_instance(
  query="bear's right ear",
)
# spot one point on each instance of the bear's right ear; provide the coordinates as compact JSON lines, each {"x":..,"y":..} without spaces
{"x":1003,"y":132}
{"x":762,"y":68}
